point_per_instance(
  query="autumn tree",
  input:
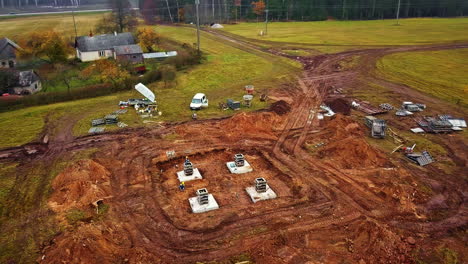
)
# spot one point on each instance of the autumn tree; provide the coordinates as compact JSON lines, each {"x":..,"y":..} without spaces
{"x":181,"y":14}
{"x":106,"y":70}
{"x":148,"y":38}
{"x":258,"y":7}
{"x":49,"y":46}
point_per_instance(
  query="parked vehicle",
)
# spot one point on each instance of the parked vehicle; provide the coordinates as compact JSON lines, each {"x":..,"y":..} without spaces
{"x":199,"y":101}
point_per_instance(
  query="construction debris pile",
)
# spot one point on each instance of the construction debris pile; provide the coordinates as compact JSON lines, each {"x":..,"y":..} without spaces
{"x":441,"y":124}
{"x":367,"y":108}
{"x":421,"y":158}
{"x":408,"y":108}
{"x":98,"y":125}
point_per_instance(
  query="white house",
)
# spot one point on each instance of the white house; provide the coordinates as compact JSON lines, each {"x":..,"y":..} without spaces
{"x":91,"y":48}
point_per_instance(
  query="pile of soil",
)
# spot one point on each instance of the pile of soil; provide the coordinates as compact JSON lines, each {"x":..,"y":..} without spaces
{"x":346,"y":147}
{"x":340,"y":127}
{"x":256,"y":125}
{"x":79,"y":186}
{"x":280,"y":107}
{"x":352,"y":153}
{"x":339,"y":105}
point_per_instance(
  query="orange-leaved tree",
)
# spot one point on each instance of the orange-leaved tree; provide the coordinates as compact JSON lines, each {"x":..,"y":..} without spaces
{"x":47,"y":45}
{"x":106,"y":70}
{"x":148,"y":39}
{"x":258,"y":7}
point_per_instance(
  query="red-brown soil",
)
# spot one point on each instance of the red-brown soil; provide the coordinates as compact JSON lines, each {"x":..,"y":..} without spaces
{"x":341,"y":202}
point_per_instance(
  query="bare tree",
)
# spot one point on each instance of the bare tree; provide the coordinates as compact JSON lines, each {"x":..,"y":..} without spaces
{"x":169,"y":11}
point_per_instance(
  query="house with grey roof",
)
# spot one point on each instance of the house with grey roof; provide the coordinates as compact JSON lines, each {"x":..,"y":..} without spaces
{"x":130,"y":53}
{"x":91,"y":48}
{"x":27,"y":82}
{"x":8,"y":50}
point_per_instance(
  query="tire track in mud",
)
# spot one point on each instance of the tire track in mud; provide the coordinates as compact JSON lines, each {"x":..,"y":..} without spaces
{"x":148,"y":226}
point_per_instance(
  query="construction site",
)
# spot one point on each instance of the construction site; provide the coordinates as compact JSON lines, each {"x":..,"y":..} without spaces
{"x":337,"y":197}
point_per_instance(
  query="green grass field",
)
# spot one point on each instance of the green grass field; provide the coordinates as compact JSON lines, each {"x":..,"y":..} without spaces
{"x":442,"y":74}
{"x":372,"y":32}
{"x":17,"y":27}
{"x":338,"y":36}
{"x":224,"y":74}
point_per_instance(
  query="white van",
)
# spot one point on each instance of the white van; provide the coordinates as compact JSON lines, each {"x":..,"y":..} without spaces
{"x":199,"y":101}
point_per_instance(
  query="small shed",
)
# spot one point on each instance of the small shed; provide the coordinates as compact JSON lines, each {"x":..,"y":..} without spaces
{"x":131,"y":53}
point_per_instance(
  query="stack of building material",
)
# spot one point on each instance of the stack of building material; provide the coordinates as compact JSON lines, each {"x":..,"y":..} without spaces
{"x":96,"y":130}
{"x":368,"y":108}
{"x":456,"y":122}
{"x":98,"y":122}
{"x":433,"y":125}
{"x":386,"y":106}
{"x":412,"y":107}
{"x":403,"y":112}
{"x":377,"y":126}
{"x":421,"y":159}
{"x":120,"y":111}
{"x":111,"y":119}
{"x":234,"y":105}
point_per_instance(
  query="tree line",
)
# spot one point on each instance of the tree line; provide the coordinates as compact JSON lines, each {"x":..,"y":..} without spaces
{"x":219,"y":11}
{"x":55,"y":3}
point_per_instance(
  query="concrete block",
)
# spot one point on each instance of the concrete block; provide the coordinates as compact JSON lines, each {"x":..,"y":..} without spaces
{"x":256,"y":196}
{"x":239,"y":170}
{"x":195,"y":176}
{"x":201,"y":208}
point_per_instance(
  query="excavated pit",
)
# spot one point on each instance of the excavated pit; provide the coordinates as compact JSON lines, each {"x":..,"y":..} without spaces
{"x":227,"y":188}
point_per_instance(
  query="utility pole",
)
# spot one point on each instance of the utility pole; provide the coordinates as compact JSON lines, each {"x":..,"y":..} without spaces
{"x":213,"y":9}
{"x":197,"y":3}
{"x":266,"y":22}
{"x":74,"y":24}
{"x":398,"y":13}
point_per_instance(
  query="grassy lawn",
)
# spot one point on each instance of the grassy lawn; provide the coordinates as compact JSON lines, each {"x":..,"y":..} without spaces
{"x":224,"y":74}
{"x":373,"y":32}
{"x":439,"y":73}
{"x":17,"y":27}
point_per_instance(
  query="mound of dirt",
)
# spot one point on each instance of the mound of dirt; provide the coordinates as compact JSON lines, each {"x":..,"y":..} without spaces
{"x":259,"y":124}
{"x":339,"y":105}
{"x":79,"y":186}
{"x":280,"y":107}
{"x":352,"y":153}
{"x":346,"y":147}
{"x":340,"y":127}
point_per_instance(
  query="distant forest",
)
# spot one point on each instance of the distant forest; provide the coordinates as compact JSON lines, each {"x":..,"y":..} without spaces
{"x":57,"y":3}
{"x":278,"y":10}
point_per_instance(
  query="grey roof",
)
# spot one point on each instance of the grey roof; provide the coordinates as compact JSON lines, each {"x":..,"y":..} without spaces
{"x":26,"y":78}
{"x":104,"y":42}
{"x":128,"y":49}
{"x":7,"y":49}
